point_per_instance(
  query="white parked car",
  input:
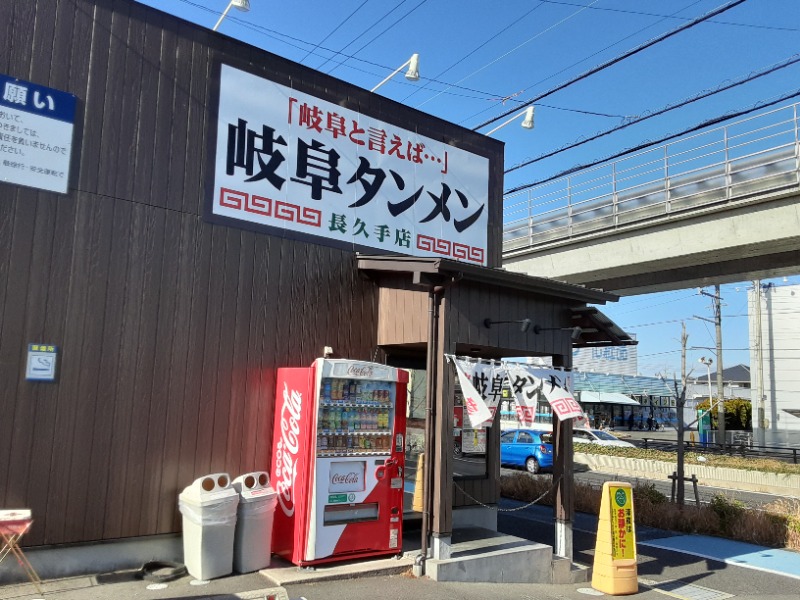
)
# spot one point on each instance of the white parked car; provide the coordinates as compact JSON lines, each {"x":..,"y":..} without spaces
{"x":598,"y":437}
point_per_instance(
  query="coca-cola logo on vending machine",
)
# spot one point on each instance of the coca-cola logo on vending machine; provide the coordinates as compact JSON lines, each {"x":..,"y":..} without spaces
{"x":346,"y":479}
{"x":358,"y":370}
{"x":347,"y":476}
{"x":287,"y":448}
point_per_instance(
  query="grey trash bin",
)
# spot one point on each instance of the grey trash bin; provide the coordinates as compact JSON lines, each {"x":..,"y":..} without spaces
{"x":252,"y":544}
{"x":208,"y":507}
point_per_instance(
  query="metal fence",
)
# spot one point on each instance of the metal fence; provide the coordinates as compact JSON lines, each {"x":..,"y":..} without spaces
{"x":740,"y":448}
{"x":754,"y":156}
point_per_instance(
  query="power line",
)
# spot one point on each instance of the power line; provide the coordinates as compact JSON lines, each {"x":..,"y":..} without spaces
{"x":617,"y":59}
{"x":493,"y":37}
{"x":529,"y":40}
{"x":585,"y":58}
{"x":334,"y":30}
{"x":648,"y":14}
{"x":583,"y":112}
{"x":702,"y":96}
{"x":384,"y":31}
{"x":642,"y":146}
{"x":381,"y":18}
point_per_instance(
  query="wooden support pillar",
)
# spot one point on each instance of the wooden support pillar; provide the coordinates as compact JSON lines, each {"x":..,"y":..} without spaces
{"x":563,"y":475}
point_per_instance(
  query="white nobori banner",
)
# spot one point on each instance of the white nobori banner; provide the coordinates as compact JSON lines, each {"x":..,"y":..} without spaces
{"x":476,"y":407}
{"x":528,"y":385}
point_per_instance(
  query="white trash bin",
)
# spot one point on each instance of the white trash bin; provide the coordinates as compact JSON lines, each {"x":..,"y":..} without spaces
{"x":252,"y":545}
{"x":208,"y":507}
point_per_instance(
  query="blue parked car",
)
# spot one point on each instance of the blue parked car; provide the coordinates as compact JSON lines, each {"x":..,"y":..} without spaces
{"x":527,"y":448}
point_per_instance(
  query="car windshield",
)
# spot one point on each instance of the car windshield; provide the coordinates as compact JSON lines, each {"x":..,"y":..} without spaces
{"x":603,"y":435}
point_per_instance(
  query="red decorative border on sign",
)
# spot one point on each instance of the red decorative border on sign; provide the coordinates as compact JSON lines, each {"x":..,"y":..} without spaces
{"x":295,"y":212}
{"x":231,"y":198}
{"x":309,"y":216}
{"x":447,"y":248}
{"x":260,"y":205}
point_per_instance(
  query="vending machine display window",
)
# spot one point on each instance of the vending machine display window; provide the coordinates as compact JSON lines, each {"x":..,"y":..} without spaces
{"x":355,"y":417}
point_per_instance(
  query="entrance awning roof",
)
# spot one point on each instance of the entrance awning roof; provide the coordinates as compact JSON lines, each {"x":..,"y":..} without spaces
{"x":596,"y":329}
{"x":432,"y":271}
{"x":606,"y":398}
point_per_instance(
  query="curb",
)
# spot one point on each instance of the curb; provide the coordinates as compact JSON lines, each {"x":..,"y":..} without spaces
{"x":274,"y":593}
{"x":723,"y":477}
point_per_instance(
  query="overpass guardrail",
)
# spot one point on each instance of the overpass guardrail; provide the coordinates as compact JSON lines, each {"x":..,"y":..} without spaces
{"x":755,"y":156}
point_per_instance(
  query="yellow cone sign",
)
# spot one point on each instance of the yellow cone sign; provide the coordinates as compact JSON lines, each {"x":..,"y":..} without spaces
{"x":614,"y":570}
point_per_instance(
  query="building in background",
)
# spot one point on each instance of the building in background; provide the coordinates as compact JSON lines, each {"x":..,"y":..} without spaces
{"x":619,"y":360}
{"x":774,"y":356}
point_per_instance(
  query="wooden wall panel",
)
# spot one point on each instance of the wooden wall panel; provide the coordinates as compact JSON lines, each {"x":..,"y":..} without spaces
{"x":237,"y":378}
{"x":189,"y":159}
{"x":94,"y":96}
{"x":162,"y":414}
{"x":146,"y":430}
{"x":7,"y":26}
{"x":91,"y":257}
{"x":179,"y":140}
{"x":223,"y":402}
{"x":18,"y":400}
{"x":403,"y":315}
{"x":177,"y":408}
{"x":157,"y":189}
{"x":51,"y":253}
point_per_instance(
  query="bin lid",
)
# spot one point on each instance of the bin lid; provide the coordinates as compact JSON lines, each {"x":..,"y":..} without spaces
{"x":254,"y":487}
{"x":210,"y":489}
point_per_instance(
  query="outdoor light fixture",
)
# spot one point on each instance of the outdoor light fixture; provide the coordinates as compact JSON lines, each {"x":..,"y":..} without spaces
{"x":576,"y":331}
{"x":707,"y":362}
{"x":243,"y":5}
{"x":412,"y":74}
{"x":524,"y":324}
{"x":527,"y":122}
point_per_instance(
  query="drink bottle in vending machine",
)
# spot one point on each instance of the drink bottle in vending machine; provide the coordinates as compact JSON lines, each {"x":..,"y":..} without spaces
{"x":338,"y":460}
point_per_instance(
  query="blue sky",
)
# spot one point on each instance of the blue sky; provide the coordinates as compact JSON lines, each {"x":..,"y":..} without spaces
{"x":479,"y":59}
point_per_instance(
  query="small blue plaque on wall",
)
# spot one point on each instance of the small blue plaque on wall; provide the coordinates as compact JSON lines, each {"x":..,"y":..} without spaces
{"x":42,"y":359}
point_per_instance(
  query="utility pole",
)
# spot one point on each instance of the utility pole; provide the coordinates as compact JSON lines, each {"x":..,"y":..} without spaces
{"x":680,"y":397}
{"x":762,"y":434}
{"x":684,"y":340}
{"x":720,"y":384}
{"x":720,"y":391}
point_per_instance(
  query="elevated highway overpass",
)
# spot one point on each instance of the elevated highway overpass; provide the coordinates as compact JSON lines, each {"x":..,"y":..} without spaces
{"x":716,"y":207}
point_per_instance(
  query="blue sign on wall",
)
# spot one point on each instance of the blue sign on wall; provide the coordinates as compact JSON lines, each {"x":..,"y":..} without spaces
{"x":36,"y":124}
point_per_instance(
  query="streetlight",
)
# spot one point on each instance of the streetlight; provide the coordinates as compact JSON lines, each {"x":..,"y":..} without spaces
{"x":708,"y":362}
{"x":243,"y":5}
{"x":412,"y":74}
{"x":527,"y":122}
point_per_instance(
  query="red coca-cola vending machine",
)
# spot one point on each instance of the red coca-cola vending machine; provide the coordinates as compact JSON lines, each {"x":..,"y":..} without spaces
{"x":338,"y":460}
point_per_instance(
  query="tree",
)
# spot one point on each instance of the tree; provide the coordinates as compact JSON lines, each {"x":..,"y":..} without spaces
{"x":738,"y":414}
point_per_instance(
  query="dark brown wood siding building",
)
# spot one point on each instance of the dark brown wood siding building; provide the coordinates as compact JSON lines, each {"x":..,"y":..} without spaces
{"x":169,"y":328}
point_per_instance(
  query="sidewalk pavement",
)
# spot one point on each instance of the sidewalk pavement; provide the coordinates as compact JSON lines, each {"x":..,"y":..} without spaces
{"x":390,"y":578}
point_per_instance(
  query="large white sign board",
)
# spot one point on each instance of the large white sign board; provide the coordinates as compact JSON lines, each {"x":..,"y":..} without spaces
{"x":36,"y":125}
{"x":285,"y":159}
